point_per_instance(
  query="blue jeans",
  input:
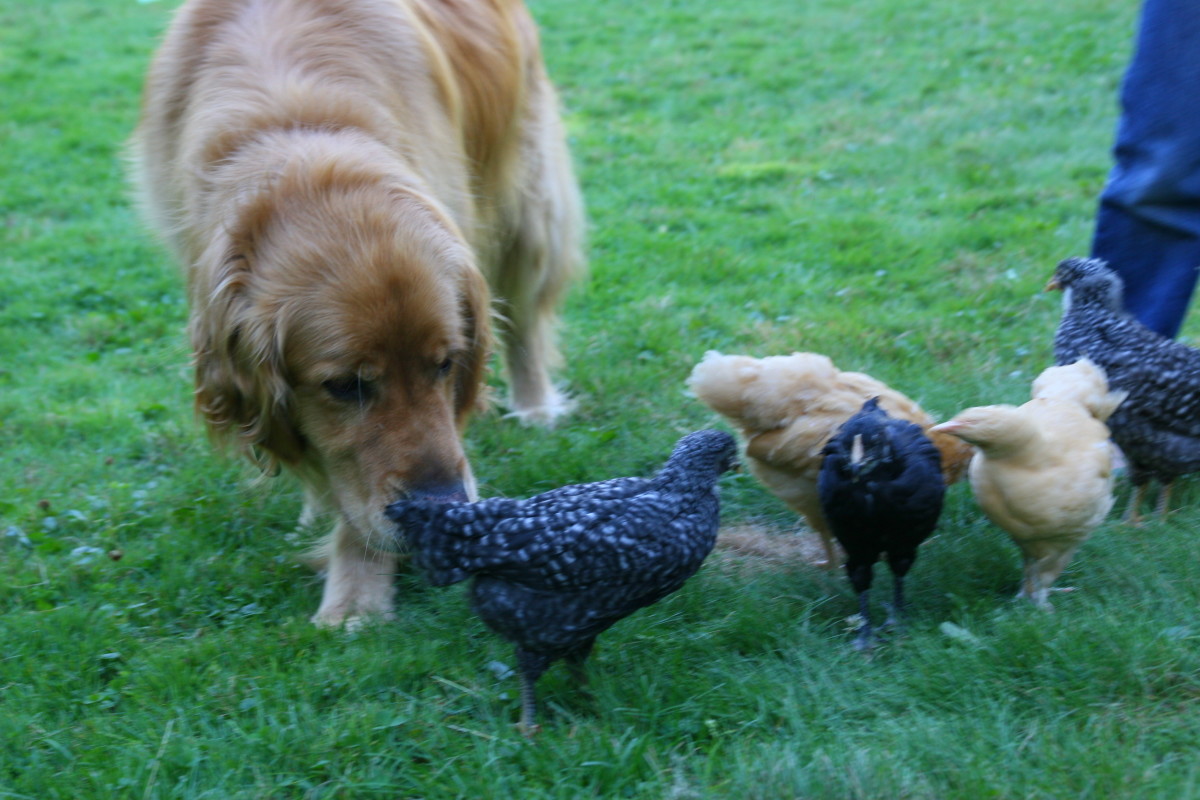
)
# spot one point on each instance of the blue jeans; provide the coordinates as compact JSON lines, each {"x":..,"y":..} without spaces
{"x":1148,"y":222}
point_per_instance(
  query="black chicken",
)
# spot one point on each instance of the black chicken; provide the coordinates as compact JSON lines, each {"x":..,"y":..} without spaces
{"x":881,"y":489}
{"x":554,"y":571}
{"x":1157,"y":427}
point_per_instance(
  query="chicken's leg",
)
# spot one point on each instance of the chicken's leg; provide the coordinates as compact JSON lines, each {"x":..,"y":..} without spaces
{"x":1031,"y":587}
{"x":1133,"y":514}
{"x":896,"y":612}
{"x":862,"y":642}
{"x":575,"y":661}
{"x":531,"y":666}
{"x":900,"y":563}
{"x":860,"y":573}
{"x":1164,"y":499}
{"x":1040,"y":575}
{"x":833,"y":558}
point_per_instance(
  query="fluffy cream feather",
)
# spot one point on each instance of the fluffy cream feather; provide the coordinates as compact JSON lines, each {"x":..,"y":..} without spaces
{"x":1043,"y":472}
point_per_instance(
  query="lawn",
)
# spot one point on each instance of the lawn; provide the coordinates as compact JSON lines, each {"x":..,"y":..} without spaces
{"x":887,"y":182}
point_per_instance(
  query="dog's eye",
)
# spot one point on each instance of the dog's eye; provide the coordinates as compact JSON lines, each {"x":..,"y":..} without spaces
{"x":444,"y":368}
{"x":351,"y":389}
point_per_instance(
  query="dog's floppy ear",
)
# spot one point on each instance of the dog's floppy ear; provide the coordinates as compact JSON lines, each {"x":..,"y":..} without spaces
{"x":241,"y":390}
{"x":469,"y":389}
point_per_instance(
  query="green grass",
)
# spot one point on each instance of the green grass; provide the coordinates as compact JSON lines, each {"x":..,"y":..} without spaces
{"x":884,"y":181}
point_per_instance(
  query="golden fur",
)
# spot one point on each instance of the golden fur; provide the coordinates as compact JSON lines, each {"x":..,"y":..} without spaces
{"x":347,"y":184}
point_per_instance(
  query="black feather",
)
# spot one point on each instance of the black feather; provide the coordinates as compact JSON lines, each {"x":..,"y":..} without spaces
{"x":881,"y":496}
{"x":553,"y":571}
{"x":1157,"y":426}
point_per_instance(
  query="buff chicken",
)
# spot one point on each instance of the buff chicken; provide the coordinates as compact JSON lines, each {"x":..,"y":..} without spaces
{"x":1044,"y":470}
{"x":788,"y":407}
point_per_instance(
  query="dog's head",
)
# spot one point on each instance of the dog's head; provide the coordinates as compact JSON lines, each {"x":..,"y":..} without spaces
{"x":344,"y":333}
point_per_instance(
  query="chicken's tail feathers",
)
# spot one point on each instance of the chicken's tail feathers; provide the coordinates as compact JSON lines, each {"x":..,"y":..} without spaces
{"x":1082,"y":381}
{"x":1104,"y":407}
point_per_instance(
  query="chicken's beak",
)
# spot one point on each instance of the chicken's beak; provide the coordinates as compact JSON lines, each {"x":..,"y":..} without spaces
{"x":856,"y":450}
{"x":1053,"y":286}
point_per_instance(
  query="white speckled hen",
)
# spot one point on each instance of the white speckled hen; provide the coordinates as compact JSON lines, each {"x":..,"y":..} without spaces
{"x":881,"y":490}
{"x":554,"y":571}
{"x":1157,"y":427}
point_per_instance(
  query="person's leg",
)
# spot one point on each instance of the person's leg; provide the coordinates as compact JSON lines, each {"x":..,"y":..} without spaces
{"x":1148,"y":222}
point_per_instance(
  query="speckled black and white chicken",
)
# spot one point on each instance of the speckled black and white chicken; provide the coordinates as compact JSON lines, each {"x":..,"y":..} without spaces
{"x":1157,"y":427}
{"x":554,"y":571}
{"x":881,"y":490}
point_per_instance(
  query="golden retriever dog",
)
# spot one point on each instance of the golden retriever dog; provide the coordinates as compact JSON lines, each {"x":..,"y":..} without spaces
{"x":347,"y":184}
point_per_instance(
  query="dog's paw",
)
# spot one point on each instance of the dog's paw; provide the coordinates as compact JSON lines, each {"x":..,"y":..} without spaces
{"x":545,"y":414}
{"x":350,"y":623}
{"x":352,"y":612}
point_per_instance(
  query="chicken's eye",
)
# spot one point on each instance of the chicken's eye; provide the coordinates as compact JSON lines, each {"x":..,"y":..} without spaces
{"x":348,"y":389}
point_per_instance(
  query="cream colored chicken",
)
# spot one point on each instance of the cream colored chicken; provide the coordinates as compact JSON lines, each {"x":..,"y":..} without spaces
{"x":1043,"y":472}
{"x":788,"y":407}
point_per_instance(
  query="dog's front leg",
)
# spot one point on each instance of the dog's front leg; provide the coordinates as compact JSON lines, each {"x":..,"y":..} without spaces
{"x":359,"y":583}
